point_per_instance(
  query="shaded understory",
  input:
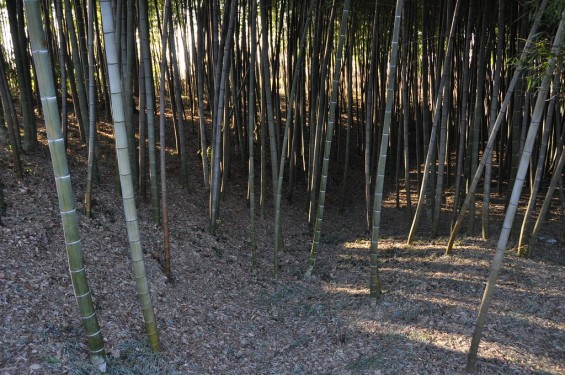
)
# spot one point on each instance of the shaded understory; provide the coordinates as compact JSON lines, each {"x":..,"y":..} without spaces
{"x":218,"y":318}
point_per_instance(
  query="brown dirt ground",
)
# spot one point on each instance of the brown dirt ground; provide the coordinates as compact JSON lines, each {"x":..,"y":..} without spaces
{"x":217,"y":318}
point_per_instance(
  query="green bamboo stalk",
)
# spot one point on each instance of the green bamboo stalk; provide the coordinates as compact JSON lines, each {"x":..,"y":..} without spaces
{"x":63,"y":184}
{"x":328,"y":142}
{"x":126,"y":182}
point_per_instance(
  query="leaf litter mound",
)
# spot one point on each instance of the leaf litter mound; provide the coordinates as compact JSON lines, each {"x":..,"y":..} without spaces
{"x":216,"y":317}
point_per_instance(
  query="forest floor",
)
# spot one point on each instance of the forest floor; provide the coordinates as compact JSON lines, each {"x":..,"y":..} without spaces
{"x":217,"y":318}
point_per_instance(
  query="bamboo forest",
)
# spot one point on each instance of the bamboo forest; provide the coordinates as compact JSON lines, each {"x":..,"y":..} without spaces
{"x":282,"y":187}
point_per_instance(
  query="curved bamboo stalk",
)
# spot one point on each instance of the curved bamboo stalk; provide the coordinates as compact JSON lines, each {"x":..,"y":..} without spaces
{"x":128,"y":196}
{"x":515,"y":197}
{"x":63,"y":184}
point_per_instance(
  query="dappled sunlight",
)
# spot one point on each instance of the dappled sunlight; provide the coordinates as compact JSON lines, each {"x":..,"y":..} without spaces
{"x":431,"y":275}
{"x":354,"y":290}
{"x":490,"y":350}
{"x":448,"y":301}
{"x":357,"y":244}
{"x":529,"y":319}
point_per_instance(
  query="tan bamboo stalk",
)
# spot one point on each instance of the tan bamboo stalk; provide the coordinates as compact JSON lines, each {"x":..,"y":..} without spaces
{"x":545,"y":206}
{"x":82,"y":113}
{"x":493,"y":110}
{"x":251,"y":130}
{"x":463,"y":104}
{"x":328,"y":141}
{"x":91,"y":111}
{"x":162,"y":143}
{"x":30,"y":139}
{"x":296,"y":74}
{"x":441,"y":93}
{"x":501,"y":115}
{"x":128,"y":63}
{"x":369,"y":111}
{"x":150,"y":105}
{"x":179,"y":106}
{"x":496,"y":264}
{"x":11,"y":123}
{"x":200,"y":95}
{"x":126,"y":182}
{"x":555,"y":179}
{"x":375,"y":281}
{"x":219,"y":102}
{"x":405,"y":114}
{"x":63,"y":184}
{"x":349,"y":72}
{"x":523,"y":248}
